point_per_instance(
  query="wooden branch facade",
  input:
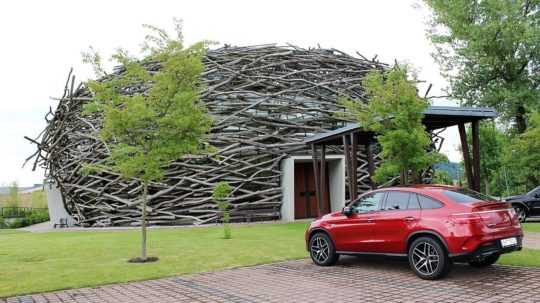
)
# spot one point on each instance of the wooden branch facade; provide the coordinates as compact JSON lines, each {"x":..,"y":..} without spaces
{"x":265,"y":101}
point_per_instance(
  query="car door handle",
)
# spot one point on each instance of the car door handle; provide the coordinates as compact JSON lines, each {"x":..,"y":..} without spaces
{"x":409,"y":219}
{"x":370,"y":220}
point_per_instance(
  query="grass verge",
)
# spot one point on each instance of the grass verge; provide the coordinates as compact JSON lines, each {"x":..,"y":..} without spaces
{"x":525,"y":257}
{"x":39,"y":262}
{"x":531,"y":227}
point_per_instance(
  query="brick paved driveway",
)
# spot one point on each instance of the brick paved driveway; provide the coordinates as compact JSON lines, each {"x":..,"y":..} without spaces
{"x":353,"y":280}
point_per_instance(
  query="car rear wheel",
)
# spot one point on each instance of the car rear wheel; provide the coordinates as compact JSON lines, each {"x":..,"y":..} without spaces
{"x":322,"y":250}
{"x":484,"y":262}
{"x":521,"y":213}
{"x":428,"y":259}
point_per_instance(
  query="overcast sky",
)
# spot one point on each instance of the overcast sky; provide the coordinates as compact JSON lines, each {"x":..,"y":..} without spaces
{"x":42,"y":40}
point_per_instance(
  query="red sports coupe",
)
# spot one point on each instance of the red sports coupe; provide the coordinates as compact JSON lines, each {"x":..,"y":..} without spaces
{"x":431,"y":225}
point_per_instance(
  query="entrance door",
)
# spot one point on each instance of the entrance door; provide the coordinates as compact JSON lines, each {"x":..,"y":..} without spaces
{"x":305,"y":196}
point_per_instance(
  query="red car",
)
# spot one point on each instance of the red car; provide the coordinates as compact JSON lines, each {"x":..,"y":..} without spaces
{"x":431,"y":225}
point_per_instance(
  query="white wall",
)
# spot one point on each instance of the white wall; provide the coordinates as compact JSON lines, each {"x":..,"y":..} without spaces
{"x":56,"y":206}
{"x":336,"y":175}
{"x":337,"y":183}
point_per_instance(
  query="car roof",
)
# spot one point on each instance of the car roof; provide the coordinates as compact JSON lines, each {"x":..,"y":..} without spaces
{"x":419,"y":188}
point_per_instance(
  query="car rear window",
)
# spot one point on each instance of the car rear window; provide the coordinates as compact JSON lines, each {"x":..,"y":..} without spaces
{"x":428,"y":203}
{"x":463,"y":195}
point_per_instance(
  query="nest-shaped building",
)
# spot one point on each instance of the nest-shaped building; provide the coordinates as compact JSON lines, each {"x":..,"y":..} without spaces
{"x":265,"y":100}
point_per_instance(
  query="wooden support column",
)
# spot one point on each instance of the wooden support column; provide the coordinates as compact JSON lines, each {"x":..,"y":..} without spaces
{"x":476,"y":155}
{"x":348,"y":164}
{"x":316,"y":173}
{"x":322,"y":182}
{"x":466,"y":155}
{"x":354,"y":165}
{"x":371,"y":164}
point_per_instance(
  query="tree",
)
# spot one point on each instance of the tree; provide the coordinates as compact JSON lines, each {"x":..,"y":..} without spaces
{"x":14,"y":200}
{"x":145,"y":131}
{"x":38,"y":199}
{"x":222,"y":191}
{"x":490,"y":52}
{"x":522,"y":158}
{"x":493,"y":142}
{"x":442,"y":177}
{"x":394,"y":112}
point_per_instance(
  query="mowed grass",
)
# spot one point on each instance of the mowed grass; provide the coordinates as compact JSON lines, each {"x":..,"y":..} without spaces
{"x":38,"y":262}
{"x":531,"y":227}
{"x":525,"y":257}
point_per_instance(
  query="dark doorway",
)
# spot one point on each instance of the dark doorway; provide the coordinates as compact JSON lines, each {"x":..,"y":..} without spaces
{"x":305,"y":197}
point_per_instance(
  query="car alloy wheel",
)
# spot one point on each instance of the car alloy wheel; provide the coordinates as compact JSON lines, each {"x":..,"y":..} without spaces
{"x":521,"y":213}
{"x":426,"y":258}
{"x":322,"y":250}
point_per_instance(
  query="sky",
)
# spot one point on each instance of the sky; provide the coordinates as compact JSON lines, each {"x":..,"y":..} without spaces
{"x":42,"y":40}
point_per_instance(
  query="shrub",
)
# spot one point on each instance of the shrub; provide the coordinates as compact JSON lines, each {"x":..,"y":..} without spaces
{"x":221,"y":193}
{"x":34,"y":217}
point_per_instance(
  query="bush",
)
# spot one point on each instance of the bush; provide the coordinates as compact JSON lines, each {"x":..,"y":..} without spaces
{"x":34,"y":217}
{"x":221,"y":193}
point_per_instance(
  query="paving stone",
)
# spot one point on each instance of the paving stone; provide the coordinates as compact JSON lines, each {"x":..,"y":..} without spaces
{"x":352,"y":280}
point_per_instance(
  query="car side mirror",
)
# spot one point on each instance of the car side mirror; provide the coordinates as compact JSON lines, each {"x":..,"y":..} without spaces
{"x":347,"y":211}
{"x":396,"y":206}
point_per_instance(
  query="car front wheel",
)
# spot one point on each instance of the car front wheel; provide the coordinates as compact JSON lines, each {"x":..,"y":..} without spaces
{"x":484,"y":262}
{"x":428,"y":259}
{"x":521,"y":213}
{"x":322,"y":250}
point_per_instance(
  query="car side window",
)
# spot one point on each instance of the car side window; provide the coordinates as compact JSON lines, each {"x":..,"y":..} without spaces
{"x":428,"y":203}
{"x":397,"y":200}
{"x":369,"y":202}
{"x":413,"y":202}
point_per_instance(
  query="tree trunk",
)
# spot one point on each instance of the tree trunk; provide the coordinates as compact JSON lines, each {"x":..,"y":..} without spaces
{"x":143,"y":220}
{"x":521,"y":124}
{"x":403,"y":178}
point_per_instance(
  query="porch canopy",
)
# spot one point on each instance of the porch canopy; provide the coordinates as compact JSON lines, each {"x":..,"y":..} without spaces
{"x":435,"y":117}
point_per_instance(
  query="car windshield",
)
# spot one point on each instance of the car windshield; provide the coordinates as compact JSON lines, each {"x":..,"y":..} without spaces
{"x":464,"y":195}
{"x":534,"y":191}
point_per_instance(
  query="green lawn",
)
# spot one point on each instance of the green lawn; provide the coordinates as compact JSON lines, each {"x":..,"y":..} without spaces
{"x":526,"y":257}
{"x":531,"y":227}
{"x":37,"y":262}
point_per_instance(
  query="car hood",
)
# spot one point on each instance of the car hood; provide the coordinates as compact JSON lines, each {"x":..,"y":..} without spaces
{"x":514,"y":198}
{"x":330,"y":216}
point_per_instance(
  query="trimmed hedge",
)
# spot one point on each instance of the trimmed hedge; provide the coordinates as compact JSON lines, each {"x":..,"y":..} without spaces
{"x":30,"y":218}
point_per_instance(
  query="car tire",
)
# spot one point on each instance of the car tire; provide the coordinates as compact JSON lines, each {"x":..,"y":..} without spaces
{"x":484,"y":262}
{"x":429,"y":259}
{"x":521,"y":213}
{"x":322,"y":250}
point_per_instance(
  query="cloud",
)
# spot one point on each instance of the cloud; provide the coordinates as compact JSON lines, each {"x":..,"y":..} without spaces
{"x":46,"y":38}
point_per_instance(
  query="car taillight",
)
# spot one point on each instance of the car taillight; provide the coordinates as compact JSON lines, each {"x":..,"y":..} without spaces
{"x":465,"y":218}
{"x":513,"y":215}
